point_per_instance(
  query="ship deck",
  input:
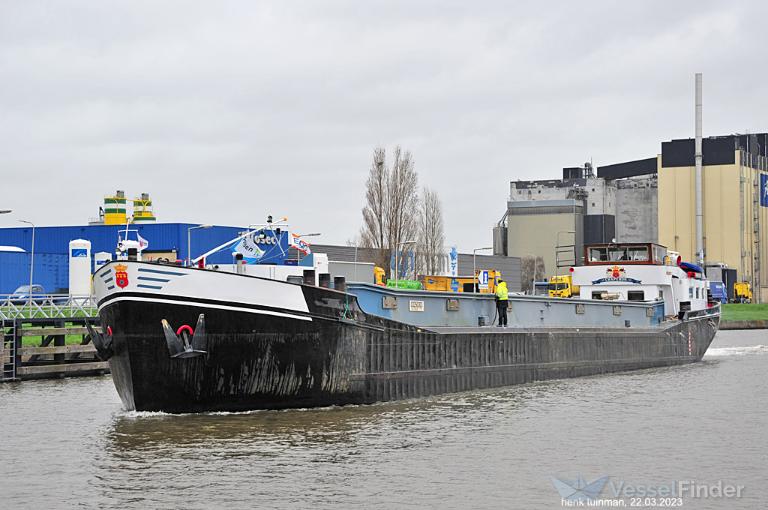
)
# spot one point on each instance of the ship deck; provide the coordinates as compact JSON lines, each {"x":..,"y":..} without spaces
{"x":520,"y":329}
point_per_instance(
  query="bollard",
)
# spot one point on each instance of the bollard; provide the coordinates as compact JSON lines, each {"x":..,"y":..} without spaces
{"x":309,"y":277}
{"x":340,"y":283}
{"x":325,"y":280}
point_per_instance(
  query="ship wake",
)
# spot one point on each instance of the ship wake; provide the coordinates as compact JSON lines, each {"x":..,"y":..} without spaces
{"x":714,"y":352}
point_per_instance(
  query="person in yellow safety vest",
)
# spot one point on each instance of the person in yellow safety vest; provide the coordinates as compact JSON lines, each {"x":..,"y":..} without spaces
{"x":502,"y":298}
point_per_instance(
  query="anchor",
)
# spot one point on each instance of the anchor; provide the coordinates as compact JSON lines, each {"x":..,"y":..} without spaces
{"x":179,"y":343}
{"x":103,"y":343}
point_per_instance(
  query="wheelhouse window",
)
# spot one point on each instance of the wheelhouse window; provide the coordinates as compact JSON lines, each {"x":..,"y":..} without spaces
{"x":617,"y":254}
{"x":637,"y":253}
{"x":636,"y":295}
{"x":628,"y":254}
{"x":598,"y":254}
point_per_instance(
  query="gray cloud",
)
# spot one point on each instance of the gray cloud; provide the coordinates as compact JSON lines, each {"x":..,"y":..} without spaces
{"x":226,"y":112}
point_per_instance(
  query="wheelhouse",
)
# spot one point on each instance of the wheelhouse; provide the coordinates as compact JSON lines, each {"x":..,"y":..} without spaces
{"x":640,"y":272}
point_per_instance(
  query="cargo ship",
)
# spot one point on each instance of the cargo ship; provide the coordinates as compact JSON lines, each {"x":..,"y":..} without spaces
{"x":228,"y":338}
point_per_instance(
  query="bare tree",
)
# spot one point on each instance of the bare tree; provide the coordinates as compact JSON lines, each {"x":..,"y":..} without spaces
{"x":391,"y":203}
{"x":353,"y":241}
{"x":403,"y":199}
{"x":539,"y":269}
{"x":374,"y":232}
{"x":527,"y":270}
{"x":531,"y":269}
{"x":431,"y":235}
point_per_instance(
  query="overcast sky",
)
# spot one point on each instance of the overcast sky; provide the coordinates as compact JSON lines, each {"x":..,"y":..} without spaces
{"x":228,"y":111}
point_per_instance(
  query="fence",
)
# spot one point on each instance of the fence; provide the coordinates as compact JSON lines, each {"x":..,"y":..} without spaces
{"x":53,"y":356}
{"x":46,"y":306}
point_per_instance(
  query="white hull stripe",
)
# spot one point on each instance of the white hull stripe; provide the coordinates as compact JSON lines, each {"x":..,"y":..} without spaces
{"x":158,"y":271}
{"x":206,"y":305}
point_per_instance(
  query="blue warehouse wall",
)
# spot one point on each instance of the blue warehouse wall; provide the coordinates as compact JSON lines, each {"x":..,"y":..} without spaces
{"x":51,"y":271}
{"x":161,"y":236}
{"x":52,"y":243}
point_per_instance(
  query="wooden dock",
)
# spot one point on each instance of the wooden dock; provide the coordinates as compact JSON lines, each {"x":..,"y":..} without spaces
{"x":51,"y":357}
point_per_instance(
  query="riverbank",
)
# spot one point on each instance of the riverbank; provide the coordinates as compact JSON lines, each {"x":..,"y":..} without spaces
{"x":744,"y":325}
{"x":745,"y":312}
{"x":744,"y":316}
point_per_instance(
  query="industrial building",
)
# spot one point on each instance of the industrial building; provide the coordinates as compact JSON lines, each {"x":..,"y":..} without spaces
{"x":651,"y":200}
{"x":734,"y":205}
{"x":555,"y":218}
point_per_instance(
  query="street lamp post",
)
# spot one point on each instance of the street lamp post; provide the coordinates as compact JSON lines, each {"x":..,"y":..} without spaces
{"x":474,"y":266}
{"x":189,"y":241}
{"x":355,"y":266}
{"x":31,"y":262}
{"x":397,"y":268}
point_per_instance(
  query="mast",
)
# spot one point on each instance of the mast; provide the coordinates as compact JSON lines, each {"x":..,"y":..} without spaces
{"x":699,"y":198}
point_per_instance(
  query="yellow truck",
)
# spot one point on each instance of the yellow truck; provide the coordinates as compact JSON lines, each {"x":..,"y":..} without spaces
{"x":742,"y":292}
{"x":460,"y":283}
{"x":562,"y":286}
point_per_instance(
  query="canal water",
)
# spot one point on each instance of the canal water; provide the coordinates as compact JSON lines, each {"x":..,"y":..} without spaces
{"x":68,"y":444}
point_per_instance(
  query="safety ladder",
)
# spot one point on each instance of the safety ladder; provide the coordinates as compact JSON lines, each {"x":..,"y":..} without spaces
{"x":8,"y":351}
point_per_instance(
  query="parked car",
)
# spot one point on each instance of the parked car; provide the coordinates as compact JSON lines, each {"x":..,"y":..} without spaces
{"x":21,"y":294}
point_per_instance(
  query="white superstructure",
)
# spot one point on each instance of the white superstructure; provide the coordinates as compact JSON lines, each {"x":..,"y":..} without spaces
{"x":640,"y":272}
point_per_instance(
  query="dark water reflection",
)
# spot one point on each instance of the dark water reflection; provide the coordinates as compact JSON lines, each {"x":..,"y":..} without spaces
{"x":69,"y":444}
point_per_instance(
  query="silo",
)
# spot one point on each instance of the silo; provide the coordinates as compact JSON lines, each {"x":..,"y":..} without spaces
{"x":114,"y":209}
{"x":142,"y":209}
{"x":101,"y":258}
{"x":79,"y":267}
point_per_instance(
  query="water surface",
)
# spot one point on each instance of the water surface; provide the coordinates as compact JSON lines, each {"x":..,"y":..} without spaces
{"x":68,"y":443}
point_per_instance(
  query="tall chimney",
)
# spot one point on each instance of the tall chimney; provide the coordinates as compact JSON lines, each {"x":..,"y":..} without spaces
{"x":699,"y":198}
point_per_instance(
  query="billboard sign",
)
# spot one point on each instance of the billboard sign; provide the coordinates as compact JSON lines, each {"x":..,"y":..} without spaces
{"x":453,"y":262}
{"x":482,"y":280}
{"x":264,"y":246}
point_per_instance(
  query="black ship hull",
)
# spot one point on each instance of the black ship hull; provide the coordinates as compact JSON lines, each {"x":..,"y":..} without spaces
{"x":334,"y":354}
